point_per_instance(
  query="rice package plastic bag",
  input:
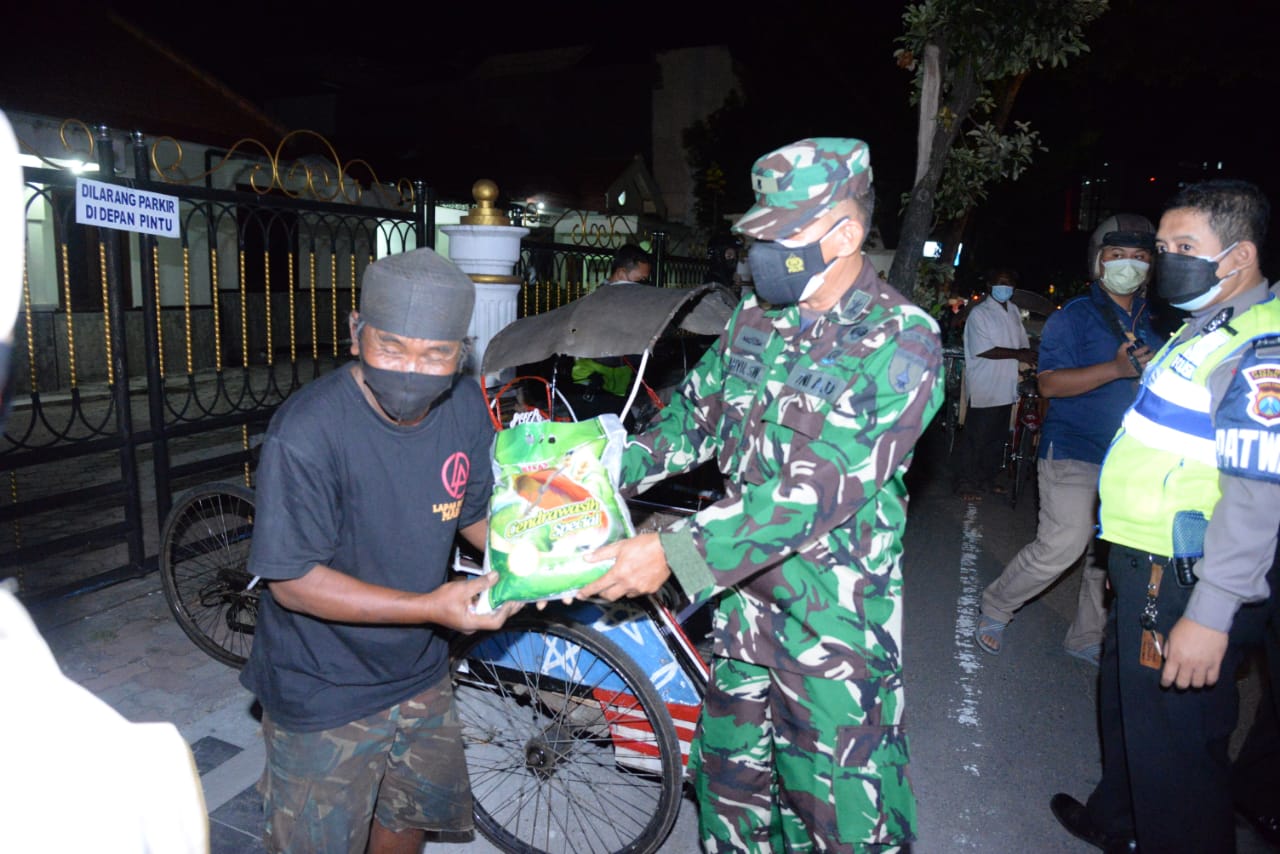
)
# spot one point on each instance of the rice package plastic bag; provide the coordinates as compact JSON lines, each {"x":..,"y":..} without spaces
{"x":555,"y":499}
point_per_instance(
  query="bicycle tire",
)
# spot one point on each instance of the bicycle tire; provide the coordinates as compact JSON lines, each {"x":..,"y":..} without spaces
{"x":1024,"y":467}
{"x":204,"y":553}
{"x":590,"y":764}
{"x":951,"y":419}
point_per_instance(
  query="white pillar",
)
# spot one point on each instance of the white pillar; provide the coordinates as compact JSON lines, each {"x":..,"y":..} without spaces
{"x":488,"y":252}
{"x":495,"y":308}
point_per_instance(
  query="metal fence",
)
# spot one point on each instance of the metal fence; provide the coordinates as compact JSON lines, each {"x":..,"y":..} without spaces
{"x":558,"y":273}
{"x":146,"y":365}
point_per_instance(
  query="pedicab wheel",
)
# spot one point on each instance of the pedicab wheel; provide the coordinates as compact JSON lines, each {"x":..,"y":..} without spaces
{"x":1024,"y":465}
{"x":568,"y":745}
{"x":204,"y":552}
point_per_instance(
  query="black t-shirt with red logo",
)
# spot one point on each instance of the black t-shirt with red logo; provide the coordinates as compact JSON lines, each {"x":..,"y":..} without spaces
{"x":339,"y":485}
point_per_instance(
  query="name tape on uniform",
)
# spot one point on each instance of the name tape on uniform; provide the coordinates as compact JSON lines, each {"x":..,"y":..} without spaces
{"x":126,"y":209}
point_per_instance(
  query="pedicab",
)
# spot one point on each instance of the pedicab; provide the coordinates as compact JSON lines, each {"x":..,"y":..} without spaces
{"x":577,"y":719}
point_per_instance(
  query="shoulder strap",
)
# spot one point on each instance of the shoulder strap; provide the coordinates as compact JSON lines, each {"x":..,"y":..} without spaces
{"x":1109,"y":319}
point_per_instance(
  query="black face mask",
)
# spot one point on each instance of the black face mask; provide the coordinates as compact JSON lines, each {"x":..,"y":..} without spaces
{"x":1189,"y":282}
{"x":782,"y":273}
{"x":403,"y":395}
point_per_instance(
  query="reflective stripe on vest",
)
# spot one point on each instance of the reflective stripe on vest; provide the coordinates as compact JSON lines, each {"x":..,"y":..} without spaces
{"x":1164,"y":459}
{"x":1171,"y":412}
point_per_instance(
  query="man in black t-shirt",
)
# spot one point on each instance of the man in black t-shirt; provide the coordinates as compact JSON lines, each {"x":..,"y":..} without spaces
{"x":367,"y":474}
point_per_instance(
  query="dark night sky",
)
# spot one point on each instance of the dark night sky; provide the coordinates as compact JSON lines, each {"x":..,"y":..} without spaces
{"x":1166,"y":87}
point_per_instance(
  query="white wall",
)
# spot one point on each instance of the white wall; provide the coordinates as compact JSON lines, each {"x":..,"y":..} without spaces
{"x":695,"y":83}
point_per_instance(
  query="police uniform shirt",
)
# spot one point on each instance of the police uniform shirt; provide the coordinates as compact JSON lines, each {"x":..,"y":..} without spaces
{"x":1240,"y":541}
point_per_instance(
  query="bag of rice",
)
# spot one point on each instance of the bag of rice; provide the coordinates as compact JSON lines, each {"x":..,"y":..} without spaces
{"x":555,"y":499}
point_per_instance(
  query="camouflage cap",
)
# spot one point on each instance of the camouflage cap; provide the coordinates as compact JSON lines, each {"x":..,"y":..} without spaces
{"x":800,"y":182}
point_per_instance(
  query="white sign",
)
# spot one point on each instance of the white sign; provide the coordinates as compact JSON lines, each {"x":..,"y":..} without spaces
{"x":113,"y":206}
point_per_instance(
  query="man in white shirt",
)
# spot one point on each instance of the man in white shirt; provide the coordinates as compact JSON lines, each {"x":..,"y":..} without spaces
{"x":995,"y":341}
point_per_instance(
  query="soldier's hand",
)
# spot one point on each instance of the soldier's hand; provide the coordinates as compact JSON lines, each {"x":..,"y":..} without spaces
{"x":453,"y":603}
{"x":1193,"y":655}
{"x":639,"y":567}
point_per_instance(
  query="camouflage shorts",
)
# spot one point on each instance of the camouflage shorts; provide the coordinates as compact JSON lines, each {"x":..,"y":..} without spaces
{"x":404,"y":766}
{"x":787,"y":762}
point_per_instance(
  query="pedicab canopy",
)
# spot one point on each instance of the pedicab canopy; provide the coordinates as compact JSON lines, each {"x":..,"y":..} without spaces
{"x":612,"y":320}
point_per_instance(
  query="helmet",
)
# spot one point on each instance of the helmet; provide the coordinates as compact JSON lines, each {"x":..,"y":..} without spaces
{"x":721,"y":268}
{"x":717,"y":245}
{"x":1123,"y":229}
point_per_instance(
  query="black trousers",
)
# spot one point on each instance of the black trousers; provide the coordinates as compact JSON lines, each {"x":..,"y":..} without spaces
{"x":982,"y":444}
{"x":1255,"y":775}
{"x":1166,"y":777}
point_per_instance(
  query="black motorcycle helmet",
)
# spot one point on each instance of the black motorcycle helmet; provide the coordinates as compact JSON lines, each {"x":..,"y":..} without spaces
{"x":723,"y":253}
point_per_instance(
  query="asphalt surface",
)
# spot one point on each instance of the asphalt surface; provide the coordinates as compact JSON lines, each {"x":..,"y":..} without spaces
{"x":993,"y":738}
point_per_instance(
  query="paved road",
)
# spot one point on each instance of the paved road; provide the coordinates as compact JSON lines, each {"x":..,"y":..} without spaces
{"x":992,"y":737}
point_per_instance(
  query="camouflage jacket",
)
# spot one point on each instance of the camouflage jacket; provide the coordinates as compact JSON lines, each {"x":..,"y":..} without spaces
{"x":813,"y":431}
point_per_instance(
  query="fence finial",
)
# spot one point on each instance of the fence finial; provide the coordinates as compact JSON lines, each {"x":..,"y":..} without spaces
{"x":483,"y":212}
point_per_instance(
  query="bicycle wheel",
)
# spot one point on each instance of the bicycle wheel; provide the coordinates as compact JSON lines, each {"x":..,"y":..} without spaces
{"x":953,"y":371}
{"x":951,"y":421}
{"x":204,"y":551}
{"x":568,"y":745}
{"x":1024,"y":464}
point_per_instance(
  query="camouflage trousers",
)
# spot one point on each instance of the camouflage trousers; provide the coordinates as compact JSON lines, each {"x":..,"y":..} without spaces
{"x":405,"y":766}
{"x":786,"y":762}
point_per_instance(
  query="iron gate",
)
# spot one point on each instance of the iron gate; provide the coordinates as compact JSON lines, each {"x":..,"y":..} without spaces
{"x":158,"y":361}
{"x":144,"y":365}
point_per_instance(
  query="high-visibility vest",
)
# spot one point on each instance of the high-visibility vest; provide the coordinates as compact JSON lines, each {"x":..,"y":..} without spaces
{"x":1163,"y":458}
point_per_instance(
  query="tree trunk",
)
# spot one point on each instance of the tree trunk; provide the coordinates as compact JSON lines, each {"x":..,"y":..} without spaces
{"x":917,"y":222}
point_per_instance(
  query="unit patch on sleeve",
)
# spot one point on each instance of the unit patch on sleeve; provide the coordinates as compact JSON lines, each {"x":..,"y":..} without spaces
{"x":1264,"y":394}
{"x":1248,"y":421}
{"x":906,"y":369}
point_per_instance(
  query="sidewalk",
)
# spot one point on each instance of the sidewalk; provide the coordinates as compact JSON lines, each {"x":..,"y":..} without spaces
{"x":122,"y":644}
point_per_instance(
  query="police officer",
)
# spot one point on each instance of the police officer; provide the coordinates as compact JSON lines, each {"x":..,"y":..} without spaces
{"x":811,"y":403}
{"x":1190,"y":493}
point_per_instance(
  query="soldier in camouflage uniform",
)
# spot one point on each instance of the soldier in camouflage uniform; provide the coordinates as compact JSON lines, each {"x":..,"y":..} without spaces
{"x":811,"y":403}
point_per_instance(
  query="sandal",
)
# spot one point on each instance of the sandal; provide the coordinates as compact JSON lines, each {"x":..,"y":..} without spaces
{"x":993,"y":629}
{"x":1091,"y":654}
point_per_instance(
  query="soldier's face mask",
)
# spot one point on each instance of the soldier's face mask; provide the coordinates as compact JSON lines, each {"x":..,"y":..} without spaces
{"x":786,"y":272}
{"x":1190,"y":282}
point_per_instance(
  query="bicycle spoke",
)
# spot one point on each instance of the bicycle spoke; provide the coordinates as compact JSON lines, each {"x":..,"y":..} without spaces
{"x":550,"y":727}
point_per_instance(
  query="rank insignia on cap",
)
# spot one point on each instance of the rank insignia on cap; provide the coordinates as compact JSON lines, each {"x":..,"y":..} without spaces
{"x":765,"y":183}
{"x":795,"y":264}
